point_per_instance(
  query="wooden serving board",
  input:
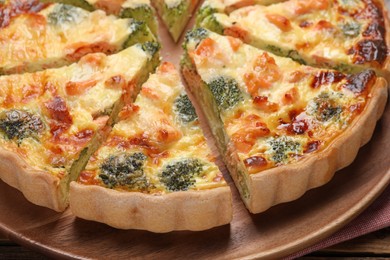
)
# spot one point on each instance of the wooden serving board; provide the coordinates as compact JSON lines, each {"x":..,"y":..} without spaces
{"x":280,"y":231}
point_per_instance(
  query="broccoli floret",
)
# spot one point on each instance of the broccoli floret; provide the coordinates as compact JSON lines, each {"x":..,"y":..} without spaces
{"x":204,"y":12}
{"x":281,"y":147}
{"x":151,"y":47}
{"x":18,"y":124}
{"x":184,"y":109}
{"x":124,"y":170}
{"x":275,"y":50}
{"x":63,"y":14}
{"x":79,"y":3}
{"x":180,"y":176}
{"x":293,"y":54}
{"x":225,"y":91}
{"x":195,"y":35}
{"x":351,"y":29}
{"x":142,"y":13}
{"x":140,"y":33}
{"x":171,"y":14}
{"x":324,"y":107}
{"x":211,"y":23}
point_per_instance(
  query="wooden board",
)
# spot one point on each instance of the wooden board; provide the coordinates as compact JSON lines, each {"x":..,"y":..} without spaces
{"x":282,"y":230}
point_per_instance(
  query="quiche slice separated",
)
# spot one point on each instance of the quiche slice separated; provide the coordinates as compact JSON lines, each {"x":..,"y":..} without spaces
{"x":140,"y":10}
{"x":36,"y":36}
{"x":52,"y":121}
{"x":282,"y":127}
{"x":155,"y":171}
{"x":175,"y":14}
{"x":344,"y":35}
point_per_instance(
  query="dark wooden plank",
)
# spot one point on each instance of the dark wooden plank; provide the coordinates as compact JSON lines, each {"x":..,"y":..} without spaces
{"x":18,"y":252}
{"x":373,"y":243}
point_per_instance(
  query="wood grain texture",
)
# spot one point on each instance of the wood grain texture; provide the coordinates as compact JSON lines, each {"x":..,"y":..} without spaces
{"x":377,"y":243}
{"x":280,"y":231}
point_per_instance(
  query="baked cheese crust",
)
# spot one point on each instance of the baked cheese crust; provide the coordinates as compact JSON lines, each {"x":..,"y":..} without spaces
{"x":277,"y":118}
{"x":52,"y":121}
{"x":157,"y":163}
{"x":345,"y":35}
{"x":37,"y":36}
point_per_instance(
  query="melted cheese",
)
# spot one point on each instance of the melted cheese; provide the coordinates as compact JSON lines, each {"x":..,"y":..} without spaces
{"x":56,"y":152}
{"x":302,"y":109}
{"x":56,"y":36}
{"x":316,"y":32}
{"x":165,"y":138}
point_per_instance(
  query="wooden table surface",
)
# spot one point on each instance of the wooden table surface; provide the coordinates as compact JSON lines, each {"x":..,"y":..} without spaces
{"x":375,"y":245}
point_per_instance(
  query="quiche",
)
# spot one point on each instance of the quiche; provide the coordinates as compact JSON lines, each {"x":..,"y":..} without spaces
{"x":52,"y":121}
{"x":175,"y":14}
{"x":282,"y":127}
{"x":346,"y":35}
{"x":140,"y":10}
{"x":155,"y":170}
{"x":36,"y":36}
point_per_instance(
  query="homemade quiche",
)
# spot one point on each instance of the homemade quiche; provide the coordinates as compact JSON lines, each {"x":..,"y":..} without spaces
{"x":85,"y":134}
{"x":36,"y":36}
{"x":346,"y":35}
{"x":154,"y":171}
{"x":281,"y":127}
{"x":52,"y":121}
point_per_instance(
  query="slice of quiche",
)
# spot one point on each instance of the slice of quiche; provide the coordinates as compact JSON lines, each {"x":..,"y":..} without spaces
{"x":282,"y":127}
{"x":52,"y":121}
{"x":155,"y":171}
{"x":175,"y":14}
{"x":140,"y":10}
{"x":345,"y":35}
{"x":37,"y":36}
{"x":226,"y":6}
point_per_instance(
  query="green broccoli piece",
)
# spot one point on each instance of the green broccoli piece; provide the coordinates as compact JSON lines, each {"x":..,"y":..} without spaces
{"x":184,"y":109}
{"x":275,"y":50}
{"x":325,"y":107}
{"x":18,"y":124}
{"x":151,"y":47}
{"x":140,"y":33}
{"x":141,"y":13}
{"x":293,"y":54}
{"x":204,"y":12}
{"x":180,"y":175}
{"x":78,"y":3}
{"x":212,"y":24}
{"x":63,"y":14}
{"x":195,"y":35}
{"x":171,"y":14}
{"x":350,"y":29}
{"x":125,"y":170}
{"x":225,"y":91}
{"x":281,"y":147}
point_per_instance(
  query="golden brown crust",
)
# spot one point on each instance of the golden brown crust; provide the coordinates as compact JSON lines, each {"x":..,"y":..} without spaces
{"x":39,"y":187}
{"x":187,"y":210}
{"x":386,"y":63}
{"x":289,"y":182}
